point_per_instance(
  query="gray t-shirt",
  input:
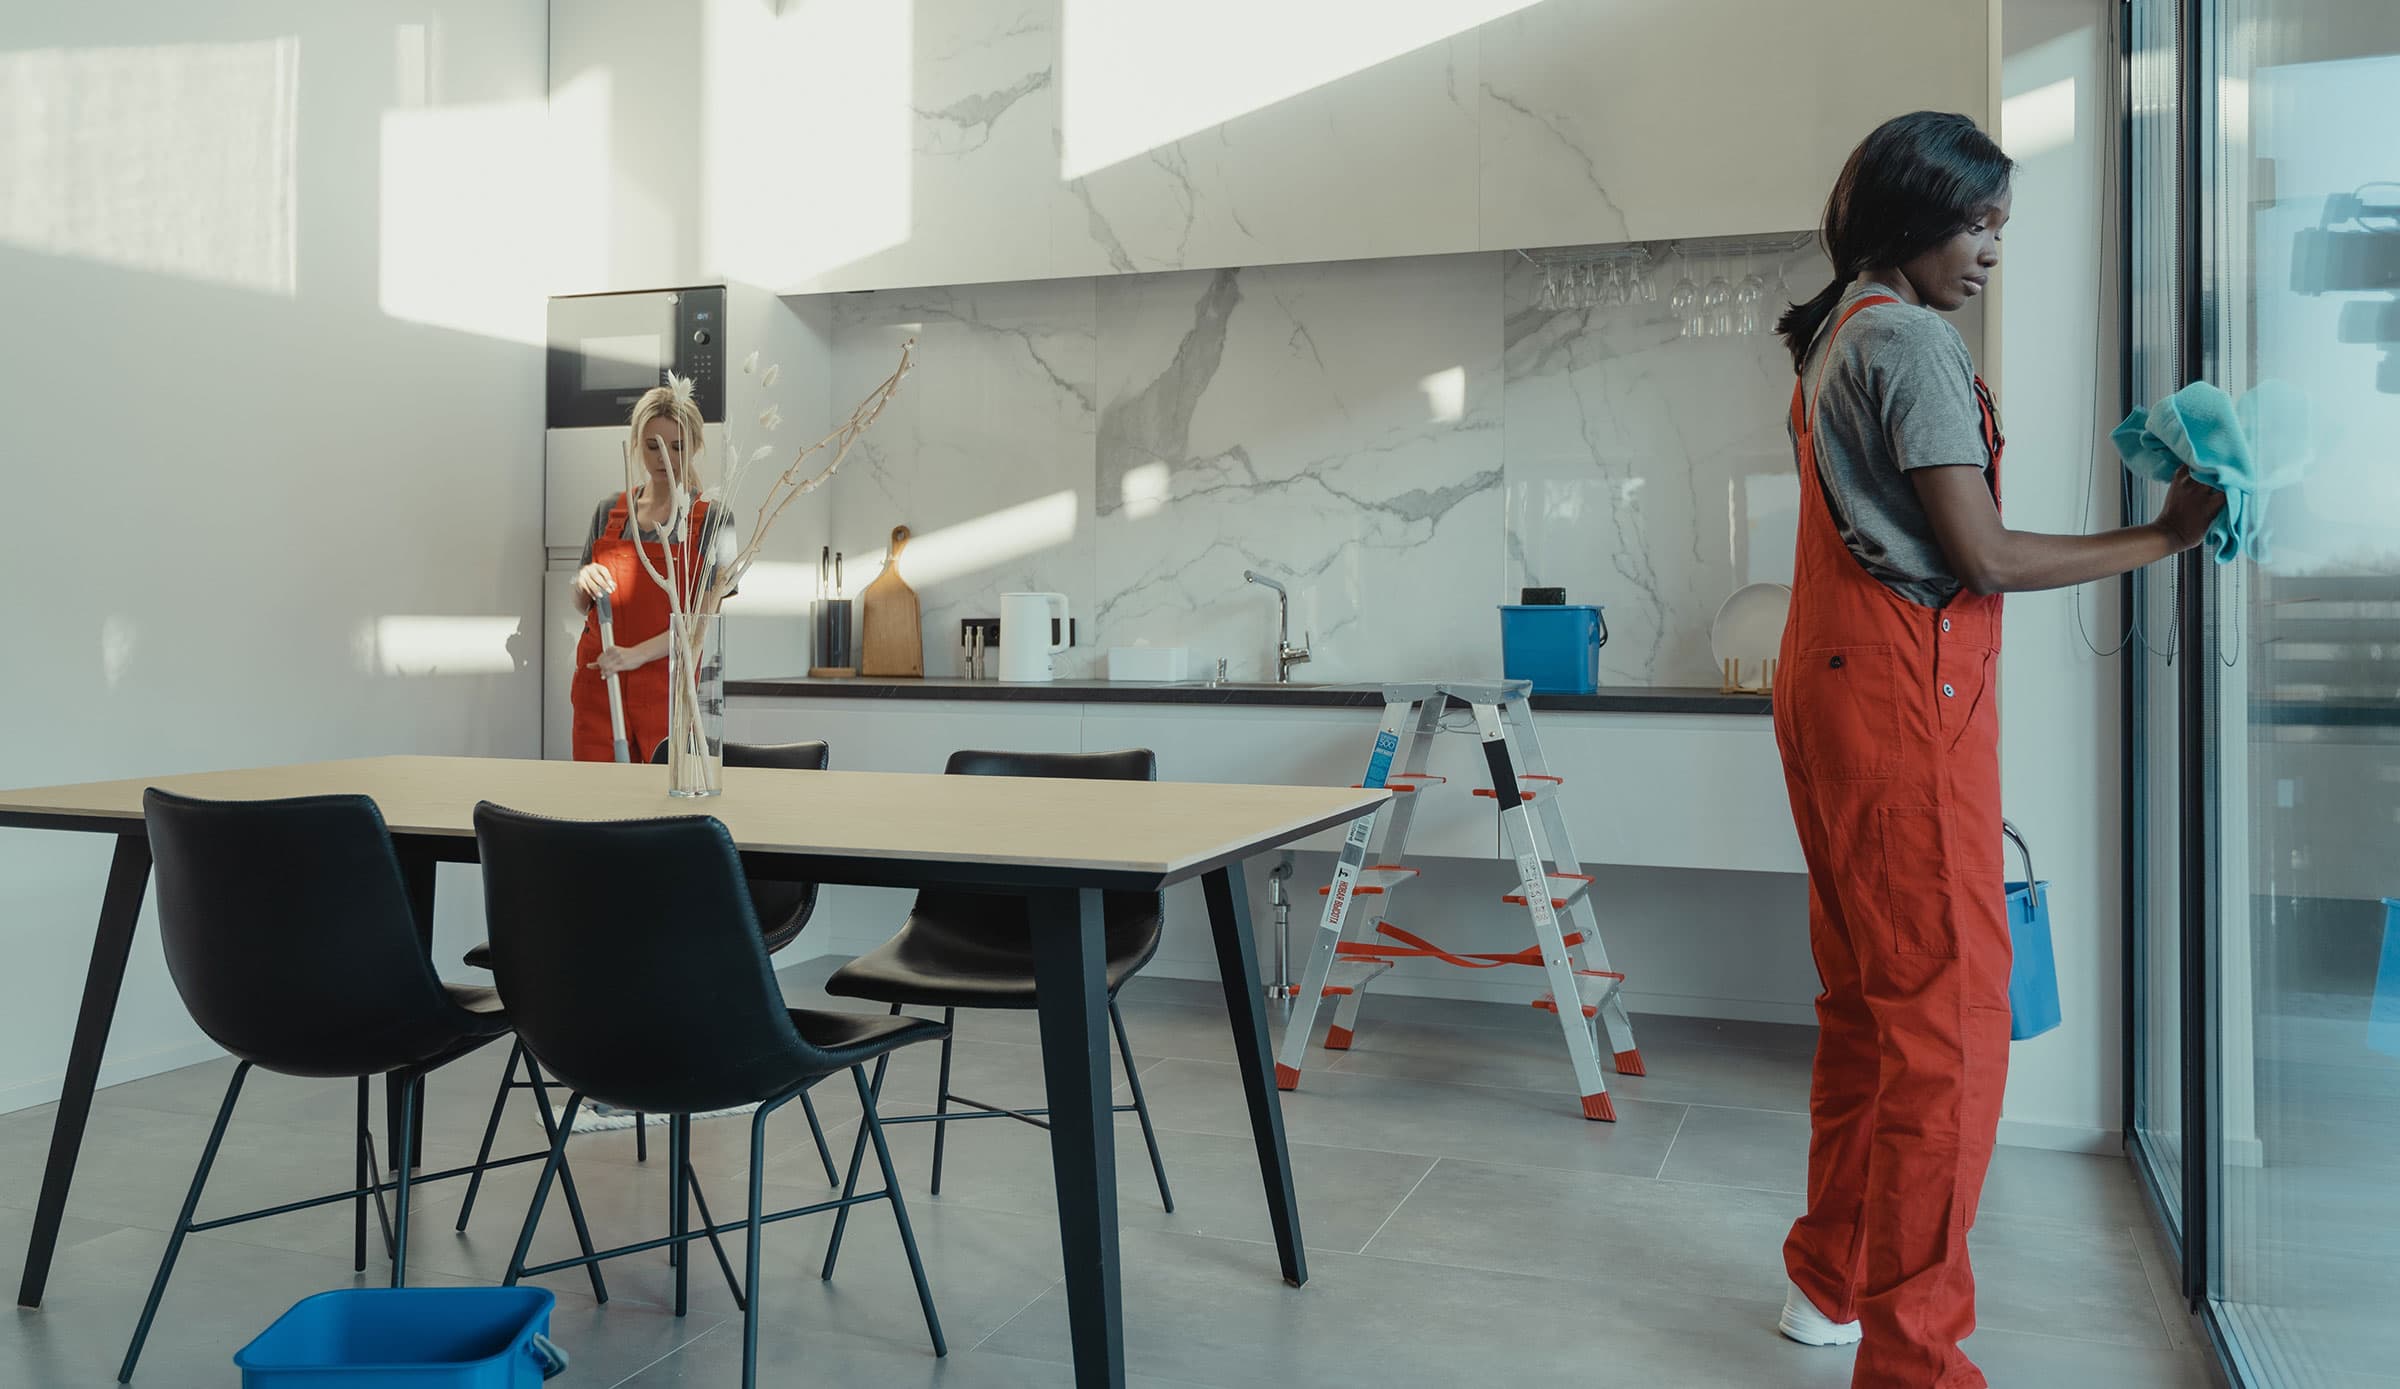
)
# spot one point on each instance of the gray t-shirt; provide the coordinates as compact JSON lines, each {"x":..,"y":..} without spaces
{"x":1898,"y":394}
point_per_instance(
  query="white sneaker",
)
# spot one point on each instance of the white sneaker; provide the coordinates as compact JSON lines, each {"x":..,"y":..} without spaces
{"x":1802,"y":1322}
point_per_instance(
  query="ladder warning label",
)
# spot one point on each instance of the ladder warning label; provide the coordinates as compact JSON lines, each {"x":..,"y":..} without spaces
{"x":1379,"y":766}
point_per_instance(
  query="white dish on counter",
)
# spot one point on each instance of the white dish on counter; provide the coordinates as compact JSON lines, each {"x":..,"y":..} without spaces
{"x":1150,"y":663}
{"x":1749,"y":627}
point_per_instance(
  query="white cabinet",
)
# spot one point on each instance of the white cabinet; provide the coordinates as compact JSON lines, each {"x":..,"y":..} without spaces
{"x":820,"y":145}
{"x":1636,"y":120}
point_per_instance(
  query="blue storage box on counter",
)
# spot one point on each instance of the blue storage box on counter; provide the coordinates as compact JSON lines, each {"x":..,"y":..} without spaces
{"x":2383,"y":1013}
{"x":407,"y":1338}
{"x":1554,"y":645}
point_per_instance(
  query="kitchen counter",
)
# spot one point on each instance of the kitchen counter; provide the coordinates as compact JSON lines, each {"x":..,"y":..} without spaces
{"x":1620,"y":699}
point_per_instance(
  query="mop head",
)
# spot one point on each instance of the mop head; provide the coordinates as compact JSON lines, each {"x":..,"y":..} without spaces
{"x":589,"y":1119}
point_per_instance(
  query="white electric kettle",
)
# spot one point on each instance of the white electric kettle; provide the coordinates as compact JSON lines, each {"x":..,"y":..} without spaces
{"x":1025,"y":645}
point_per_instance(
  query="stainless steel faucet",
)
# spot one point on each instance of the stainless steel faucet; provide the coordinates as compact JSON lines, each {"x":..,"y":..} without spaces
{"x":1286,"y":654}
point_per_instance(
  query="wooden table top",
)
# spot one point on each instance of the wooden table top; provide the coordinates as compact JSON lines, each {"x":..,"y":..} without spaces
{"x":1164,"y":830}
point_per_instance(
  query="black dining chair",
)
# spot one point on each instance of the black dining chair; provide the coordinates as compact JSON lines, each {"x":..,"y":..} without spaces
{"x":975,"y":950}
{"x":292,"y":939}
{"x":784,"y":908}
{"x":677,"y":1022}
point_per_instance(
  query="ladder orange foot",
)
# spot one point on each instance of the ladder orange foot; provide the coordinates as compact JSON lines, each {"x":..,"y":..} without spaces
{"x":1338,"y":1038}
{"x":1629,"y":1063}
{"x":1288,"y":1077}
{"x":1600,"y":1107}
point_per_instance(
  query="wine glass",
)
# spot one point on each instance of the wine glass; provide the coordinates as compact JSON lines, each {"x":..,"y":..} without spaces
{"x":1716,"y":301}
{"x":1749,"y":299}
{"x":1683,"y":301}
{"x":1645,"y":286}
{"x":1547,"y":298}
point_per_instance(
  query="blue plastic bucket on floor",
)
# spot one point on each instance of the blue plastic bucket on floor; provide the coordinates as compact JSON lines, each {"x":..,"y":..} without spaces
{"x":1554,"y":645}
{"x":2383,"y":1015}
{"x":2033,"y":968}
{"x":407,"y":1338}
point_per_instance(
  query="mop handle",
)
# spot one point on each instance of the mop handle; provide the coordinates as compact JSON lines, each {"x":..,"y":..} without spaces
{"x":616,"y":696}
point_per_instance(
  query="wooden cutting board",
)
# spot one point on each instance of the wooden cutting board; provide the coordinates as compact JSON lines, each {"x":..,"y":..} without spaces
{"x":891,"y":640}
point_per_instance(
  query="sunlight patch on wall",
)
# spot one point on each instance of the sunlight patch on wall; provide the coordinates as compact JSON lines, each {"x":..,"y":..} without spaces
{"x":807,"y":137}
{"x":1146,"y":489}
{"x":182,"y":159}
{"x":782,"y":588}
{"x":460,"y":218}
{"x":418,"y":645}
{"x":1139,"y":74}
{"x":1445,"y":394}
{"x":576,"y":143}
{"x":971,"y":547}
{"x":2036,"y":122}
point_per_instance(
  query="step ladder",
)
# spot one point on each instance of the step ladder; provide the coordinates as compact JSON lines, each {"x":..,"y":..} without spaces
{"x":1357,"y":940}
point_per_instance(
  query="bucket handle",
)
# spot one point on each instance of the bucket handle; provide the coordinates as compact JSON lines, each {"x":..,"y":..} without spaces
{"x":2033,"y":885}
{"x":543,"y":1349}
{"x":1602,"y":614}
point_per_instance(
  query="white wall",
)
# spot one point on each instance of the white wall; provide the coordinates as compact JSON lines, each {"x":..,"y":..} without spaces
{"x":2053,"y":325}
{"x":273,"y":452}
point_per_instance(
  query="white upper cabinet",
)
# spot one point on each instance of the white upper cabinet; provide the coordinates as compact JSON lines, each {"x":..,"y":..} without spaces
{"x":816,"y":145}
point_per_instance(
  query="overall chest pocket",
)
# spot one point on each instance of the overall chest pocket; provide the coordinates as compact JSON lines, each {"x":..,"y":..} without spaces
{"x":1846,"y":699}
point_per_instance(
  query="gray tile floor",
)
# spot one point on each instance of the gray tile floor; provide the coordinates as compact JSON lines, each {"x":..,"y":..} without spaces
{"x":1465,"y":1225}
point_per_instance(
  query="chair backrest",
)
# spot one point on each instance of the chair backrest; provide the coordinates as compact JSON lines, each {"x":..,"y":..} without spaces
{"x":783,"y":908}
{"x":290,"y":933}
{"x":630,"y":960}
{"x":1134,"y":919}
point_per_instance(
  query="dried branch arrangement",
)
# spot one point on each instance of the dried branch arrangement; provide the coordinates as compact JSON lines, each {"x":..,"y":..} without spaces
{"x":695,"y":588}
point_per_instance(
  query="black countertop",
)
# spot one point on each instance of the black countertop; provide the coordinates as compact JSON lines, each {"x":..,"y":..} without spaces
{"x":1619,"y":699}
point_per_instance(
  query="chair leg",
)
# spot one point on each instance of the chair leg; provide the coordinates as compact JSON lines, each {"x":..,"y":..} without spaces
{"x":183,"y":1223}
{"x":873,"y":1124}
{"x":491,"y":1130}
{"x":358,"y":1145}
{"x":558,"y":1130}
{"x":1141,"y":1106}
{"x":412,"y":1108}
{"x":941,"y":1103}
{"x":858,"y":1156}
{"x":679,"y":1209}
{"x":541,"y":1188}
{"x":709,"y":1223}
{"x":641,"y":1136}
{"x":816,"y":1130}
{"x":758,"y":1197}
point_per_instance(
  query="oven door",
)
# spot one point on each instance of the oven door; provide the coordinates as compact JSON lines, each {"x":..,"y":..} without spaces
{"x":606,"y":349}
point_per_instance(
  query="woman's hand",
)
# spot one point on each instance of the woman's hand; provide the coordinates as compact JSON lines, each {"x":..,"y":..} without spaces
{"x":2190,"y":508}
{"x":616,"y":660}
{"x":595,"y":581}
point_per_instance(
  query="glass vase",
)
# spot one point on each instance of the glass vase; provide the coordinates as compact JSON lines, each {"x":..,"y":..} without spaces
{"x":695,"y":704}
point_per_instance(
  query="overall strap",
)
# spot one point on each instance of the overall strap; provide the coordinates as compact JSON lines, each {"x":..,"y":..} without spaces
{"x":1807,"y":423}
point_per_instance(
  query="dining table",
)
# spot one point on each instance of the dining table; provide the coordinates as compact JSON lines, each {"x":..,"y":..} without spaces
{"x":1060,"y":843}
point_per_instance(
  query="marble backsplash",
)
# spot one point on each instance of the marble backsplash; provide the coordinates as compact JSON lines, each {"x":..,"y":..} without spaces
{"x":1404,"y":443}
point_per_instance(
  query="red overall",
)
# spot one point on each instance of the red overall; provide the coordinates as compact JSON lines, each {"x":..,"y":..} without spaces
{"x":638,"y":611}
{"x":1886,"y":714}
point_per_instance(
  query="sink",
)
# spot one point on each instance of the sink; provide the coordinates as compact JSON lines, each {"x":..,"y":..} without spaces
{"x":1251,"y":685}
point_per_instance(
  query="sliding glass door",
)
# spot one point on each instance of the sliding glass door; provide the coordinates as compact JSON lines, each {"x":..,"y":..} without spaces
{"x":2304,"y":327}
{"x":2267,"y":760}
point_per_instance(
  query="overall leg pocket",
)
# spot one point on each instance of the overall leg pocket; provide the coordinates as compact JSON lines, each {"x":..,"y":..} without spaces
{"x":1920,"y":879}
{"x":1846,"y":703}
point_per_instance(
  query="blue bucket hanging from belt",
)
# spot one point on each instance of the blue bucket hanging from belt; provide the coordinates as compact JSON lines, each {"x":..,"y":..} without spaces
{"x":2033,"y":970}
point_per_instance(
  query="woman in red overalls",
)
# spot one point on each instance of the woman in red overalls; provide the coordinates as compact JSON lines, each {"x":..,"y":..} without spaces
{"x":667,"y":436}
{"x":1887,"y":720}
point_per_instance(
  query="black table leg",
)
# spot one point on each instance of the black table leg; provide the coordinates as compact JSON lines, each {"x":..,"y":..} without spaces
{"x":120,"y":908}
{"x":416,"y":873}
{"x":1071,"y":990}
{"x":1229,"y":920}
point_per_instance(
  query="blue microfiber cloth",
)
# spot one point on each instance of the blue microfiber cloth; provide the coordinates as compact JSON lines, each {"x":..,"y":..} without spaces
{"x":2245,"y":451}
